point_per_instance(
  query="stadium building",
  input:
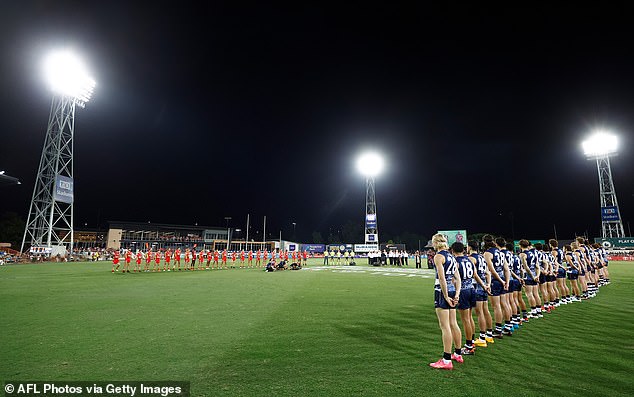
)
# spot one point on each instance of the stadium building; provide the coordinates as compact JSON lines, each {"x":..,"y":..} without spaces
{"x":138,"y":235}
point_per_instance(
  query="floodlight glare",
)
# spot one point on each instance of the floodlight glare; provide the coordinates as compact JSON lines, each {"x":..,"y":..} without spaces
{"x":601,"y":143}
{"x":67,"y":75}
{"x":370,"y":164}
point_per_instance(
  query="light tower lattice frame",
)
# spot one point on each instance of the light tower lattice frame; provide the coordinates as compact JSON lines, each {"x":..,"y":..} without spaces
{"x":371,"y":222}
{"x":609,"y":228}
{"x":50,"y":220}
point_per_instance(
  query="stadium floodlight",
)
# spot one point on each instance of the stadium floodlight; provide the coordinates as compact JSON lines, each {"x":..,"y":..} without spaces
{"x":601,"y":143}
{"x":370,"y":165}
{"x":67,"y":75}
{"x":50,"y":220}
{"x":600,"y":146}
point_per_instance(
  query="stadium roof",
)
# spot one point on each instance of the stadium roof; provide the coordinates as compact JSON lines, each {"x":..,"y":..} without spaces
{"x":148,"y":226}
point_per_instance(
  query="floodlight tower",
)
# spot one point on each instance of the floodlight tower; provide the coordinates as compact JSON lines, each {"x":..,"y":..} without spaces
{"x":50,"y":220}
{"x":600,"y":147}
{"x":370,"y":165}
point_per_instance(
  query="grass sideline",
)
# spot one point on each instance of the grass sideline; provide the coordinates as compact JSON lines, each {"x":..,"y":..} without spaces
{"x":245,"y":332}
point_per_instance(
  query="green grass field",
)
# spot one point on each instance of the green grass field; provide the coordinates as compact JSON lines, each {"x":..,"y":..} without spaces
{"x":296,"y":333}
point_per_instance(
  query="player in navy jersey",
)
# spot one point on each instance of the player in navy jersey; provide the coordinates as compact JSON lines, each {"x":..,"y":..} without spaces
{"x":515,"y":287}
{"x":544,"y":265}
{"x":574,"y":267}
{"x":500,"y":276}
{"x":529,"y":260}
{"x":590,"y":266}
{"x":508,"y":258}
{"x":581,"y":262}
{"x":560,"y":274}
{"x":446,"y":296}
{"x":601,"y":269}
{"x":551,"y":279}
{"x":482,"y":292}
{"x":467,"y":299}
{"x":605,"y":262}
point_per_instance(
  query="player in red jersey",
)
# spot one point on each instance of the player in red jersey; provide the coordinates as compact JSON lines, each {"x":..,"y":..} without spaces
{"x":115,"y":261}
{"x":234,"y":256}
{"x":193,"y":260}
{"x":128,"y":259}
{"x":294,"y":257}
{"x":209,"y":256}
{"x":148,"y":260}
{"x":258,"y":260}
{"x":168,"y":259}
{"x":201,"y":258}
{"x":224,"y":258}
{"x":250,"y":257}
{"x":305,"y":257}
{"x":241,"y":259}
{"x":157,"y":261}
{"x":188,"y":259}
{"x":177,"y":259}
{"x":139,"y":258}
{"x":216,"y":257}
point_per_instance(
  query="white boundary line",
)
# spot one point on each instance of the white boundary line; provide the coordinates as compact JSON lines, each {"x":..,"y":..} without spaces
{"x":393,"y":272}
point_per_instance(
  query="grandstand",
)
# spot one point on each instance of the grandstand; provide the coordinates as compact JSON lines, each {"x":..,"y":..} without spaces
{"x":138,"y":235}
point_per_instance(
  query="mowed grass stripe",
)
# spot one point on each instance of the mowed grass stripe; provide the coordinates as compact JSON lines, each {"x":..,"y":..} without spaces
{"x":245,"y":332}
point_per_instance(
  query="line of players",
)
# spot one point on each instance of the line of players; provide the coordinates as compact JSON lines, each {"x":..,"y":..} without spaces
{"x":466,"y":280}
{"x":150,"y":261}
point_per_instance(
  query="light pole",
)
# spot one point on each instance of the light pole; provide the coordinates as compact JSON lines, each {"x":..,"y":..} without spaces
{"x":50,"y":220}
{"x":294,"y":238}
{"x":228,"y":218}
{"x":600,"y":147}
{"x":370,"y":165}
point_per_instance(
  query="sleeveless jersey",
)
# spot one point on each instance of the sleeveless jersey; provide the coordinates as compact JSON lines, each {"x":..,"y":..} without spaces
{"x":516,"y":265}
{"x":575,"y":261}
{"x":586,"y":254}
{"x":580,"y":260}
{"x":560,"y":256}
{"x":508,"y":255}
{"x":466,"y":269}
{"x":450,"y":267}
{"x":532,"y":260}
{"x":551,"y":258}
{"x":604,"y":255}
{"x":540,"y":259}
{"x":498,"y":261}
{"x":481,"y":268}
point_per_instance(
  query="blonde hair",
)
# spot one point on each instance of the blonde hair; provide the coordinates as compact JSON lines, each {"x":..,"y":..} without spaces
{"x":440,"y":240}
{"x":574,"y":245}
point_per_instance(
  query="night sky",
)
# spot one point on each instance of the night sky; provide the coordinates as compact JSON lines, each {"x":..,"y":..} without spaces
{"x":212,"y":111}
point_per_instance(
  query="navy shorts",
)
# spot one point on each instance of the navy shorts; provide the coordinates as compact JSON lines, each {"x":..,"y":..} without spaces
{"x":530,"y":281}
{"x":542,"y":278}
{"x":467,"y":299}
{"x":582,"y":272}
{"x":573,"y":275}
{"x":497,"y":288}
{"x":439,"y":299}
{"x":481,"y":295}
{"x":561,"y":273}
{"x":551,"y":278}
{"x":515,"y":285}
